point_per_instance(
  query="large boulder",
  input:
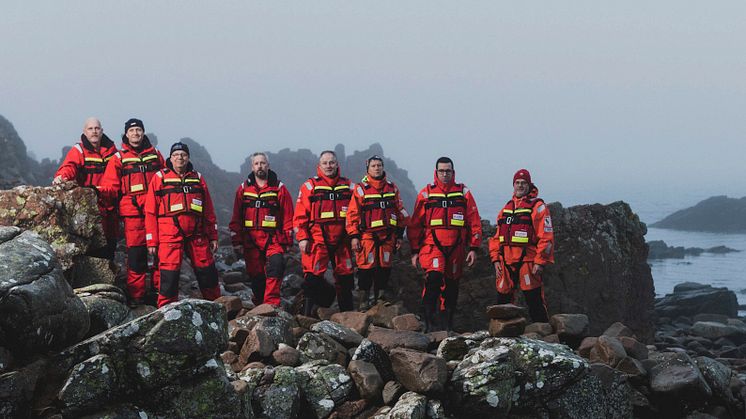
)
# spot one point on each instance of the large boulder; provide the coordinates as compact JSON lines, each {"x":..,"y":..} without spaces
{"x":147,"y":362}
{"x":38,"y":310}
{"x":691,"y":298}
{"x":601,"y":270}
{"x":66,"y":216}
{"x":677,"y":384}
{"x":418,"y":371}
{"x":324,"y":386}
{"x":106,"y":305}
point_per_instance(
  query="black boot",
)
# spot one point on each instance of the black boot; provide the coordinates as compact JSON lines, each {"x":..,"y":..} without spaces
{"x":449,"y":314}
{"x":309,"y":291}
{"x":429,"y":317}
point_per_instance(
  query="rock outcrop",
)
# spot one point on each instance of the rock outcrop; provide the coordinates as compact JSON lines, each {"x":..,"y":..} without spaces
{"x":16,"y":167}
{"x":731,"y":216}
{"x":691,"y":298}
{"x":601,"y":270}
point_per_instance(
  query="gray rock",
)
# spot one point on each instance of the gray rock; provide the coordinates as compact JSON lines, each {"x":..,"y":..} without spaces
{"x":418,"y":371}
{"x":607,"y":350}
{"x":506,"y":311}
{"x":675,"y":379}
{"x":90,"y":384}
{"x":344,"y":335}
{"x":105,"y":313}
{"x":617,"y":330}
{"x":570,"y":326}
{"x":207,"y":395}
{"x":482,"y":384}
{"x":286,"y":355}
{"x":315,"y":346}
{"x":542,"y":329}
{"x":718,"y":377}
{"x":257,"y":346}
{"x":6,"y":360}
{"x":410,"y":406}
{"x":697,"y":299}
{"x":281,"y":398}
{"x":324,"y":386}
{"x":382,"y":314}
{"x":507,"y":328}
{"x":714,"y":330}
{"x":390,"y":339}
{"x":367,"y":379}
{"x":634,"y":348}
{"x":435,"y":409}
{"x":88,"y":270}
{"x":40,"y":310}
{"x":373,"y":353}
{"x":359,"y":322}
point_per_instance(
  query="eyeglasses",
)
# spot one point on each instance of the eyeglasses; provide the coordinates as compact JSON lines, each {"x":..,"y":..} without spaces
{"x":444,"y":171}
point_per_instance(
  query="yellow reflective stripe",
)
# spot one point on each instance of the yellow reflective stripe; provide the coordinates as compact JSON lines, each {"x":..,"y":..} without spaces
{"x":150,"y":157}
{"x":248,"y":223}
{"x":177,"y":207}
{"x":196,"y":207}
{"x":437,"y":222}
{"x":392,"y":222}
{"x":137,"y":188}
{"x":324,"y":188}
{"x":94,"y":159}
{"x":376,"y":223}
{"x":107,"y":158}
{"x":459,"y":223}
{"x":171,"y":180}
{"x":268,"y":194}
{"x":523,"y":210}
{"x":438,"y":195}
{"x":343,"y":214}
{"x":272,"y":224}
{"x":506,"y":211}
{"x":191,"y":180}
{"x":389,"y":194}
{"x":373,"y":195}
{"x":250,"y":194}
{"x":502,"y":239}
{"x":328,"y":214}
{"x":130,"y":159}
{"x":455,"y":194}
{"x":519,"y":239}
{"x":336,"y":188}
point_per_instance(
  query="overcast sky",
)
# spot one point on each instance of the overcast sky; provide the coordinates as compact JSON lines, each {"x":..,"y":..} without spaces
{"x":600,"y":100}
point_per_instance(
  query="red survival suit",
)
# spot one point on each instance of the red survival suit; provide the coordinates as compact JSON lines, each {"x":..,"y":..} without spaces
{"x":126,"y":179}
{"x":524,"y":237}
{"x":377,"y":218}
{"x":86,"y":166}
{"x":444,"y":223}
{"x":320,"y":213}
{"x":179,"y":217}
{"x":262,"y":224}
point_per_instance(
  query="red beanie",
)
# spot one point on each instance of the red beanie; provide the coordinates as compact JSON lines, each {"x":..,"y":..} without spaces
{"x":522,"y":174}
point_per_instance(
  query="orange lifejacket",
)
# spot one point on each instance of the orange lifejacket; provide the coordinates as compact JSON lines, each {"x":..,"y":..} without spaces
{"x":138,"y":169}
{"x":378,"y":209}
{"x":329,"y":203}
{"x":515,"y":227}
{"x":181,"y":196}
{"x":445,"y":210}
{"x":261,"y":211}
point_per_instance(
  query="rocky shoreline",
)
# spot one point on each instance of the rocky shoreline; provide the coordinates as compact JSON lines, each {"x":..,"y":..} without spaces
{"x":81,"y":352}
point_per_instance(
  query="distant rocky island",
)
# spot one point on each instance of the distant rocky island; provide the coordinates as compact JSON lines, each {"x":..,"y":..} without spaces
{"x":717,"y":214}
{"x":658,"y":249}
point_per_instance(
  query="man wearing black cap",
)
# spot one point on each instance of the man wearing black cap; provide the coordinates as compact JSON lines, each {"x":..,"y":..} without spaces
{"x":126,"y":180}
{"x":375,"y":223}
{"x":180,"y":217}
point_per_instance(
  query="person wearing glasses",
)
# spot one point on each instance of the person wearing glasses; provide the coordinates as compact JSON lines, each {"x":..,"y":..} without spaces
{"x":522,"y":246}
{"x":445,"y":222}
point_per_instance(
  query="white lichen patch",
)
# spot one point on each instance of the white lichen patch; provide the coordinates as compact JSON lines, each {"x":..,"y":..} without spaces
{"x":211,"y":363}
{"x":198,"y":337}
{"x":326,"y":404}
{"x":492,"y":398}
{"x":143,"y":369}
{"x":104,"y":369}
{"x":143,"y":415}
{"x":196,"y":319}
{"x":130,"y":329}
{"x":172,"y":315}
{"x":539,"y":384}
{"x":214,"y":326}
{"x":343,"y":378}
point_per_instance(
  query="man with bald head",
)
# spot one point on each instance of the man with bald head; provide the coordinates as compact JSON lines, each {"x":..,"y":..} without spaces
{"x":85,"y":164}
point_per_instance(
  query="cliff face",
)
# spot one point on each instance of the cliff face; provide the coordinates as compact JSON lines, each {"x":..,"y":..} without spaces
{"x":16,"y":168}
{"x":717,"y":214}
{"x":601,"y":270}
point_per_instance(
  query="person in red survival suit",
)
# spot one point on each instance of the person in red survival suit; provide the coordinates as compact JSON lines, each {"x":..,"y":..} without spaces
{"x":522,"y":246}
{"x":85,"y":164}
{"x":445,"y":221}
{"x":319,"y":221}
{"x":262,"y":228}
{"x":126,"y":180}
{"x":179,"y":217}
{"x":375,"y":223}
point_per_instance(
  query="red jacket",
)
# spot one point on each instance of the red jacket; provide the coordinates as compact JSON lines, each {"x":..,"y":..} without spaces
{"x":268,"y":208}
{"x":323,"y":201}
{"x":84,"y":164}
{"x":524,"y":231}
{"x":446,"y":212}
{"x":178,"y":207}
{"x":376,"y":208}
{"x":128,"y":174}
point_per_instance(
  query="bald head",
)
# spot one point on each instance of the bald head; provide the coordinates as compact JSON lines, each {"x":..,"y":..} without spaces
{"x":93,"y":131}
